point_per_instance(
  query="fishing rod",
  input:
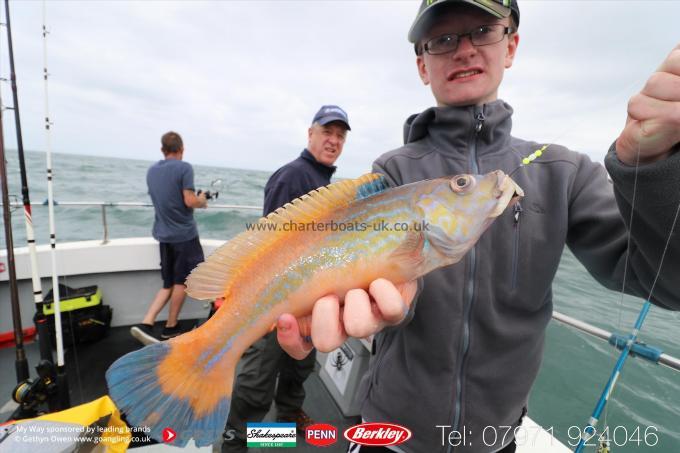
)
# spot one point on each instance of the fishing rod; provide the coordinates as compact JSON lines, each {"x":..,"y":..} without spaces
{"x":20,"y":363}
{"x":629,"y":345}
{"x":30,"y":394}
{"x":631,"y":340}
{"x":40,"y":319}
{"x":589,"y":431}
{"x":62,"y":381}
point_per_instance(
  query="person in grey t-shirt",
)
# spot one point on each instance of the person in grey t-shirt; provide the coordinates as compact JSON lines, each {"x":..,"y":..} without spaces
{"x":171,"y":187}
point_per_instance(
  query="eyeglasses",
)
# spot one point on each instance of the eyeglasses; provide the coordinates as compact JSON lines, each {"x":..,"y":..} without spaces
{"x":480,"y":36}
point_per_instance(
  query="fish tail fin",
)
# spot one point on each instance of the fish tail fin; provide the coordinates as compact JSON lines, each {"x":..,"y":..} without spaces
{"x":181,"y":384}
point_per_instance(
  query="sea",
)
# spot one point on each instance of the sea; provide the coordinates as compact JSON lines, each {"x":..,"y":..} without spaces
{"x":643,"y":412}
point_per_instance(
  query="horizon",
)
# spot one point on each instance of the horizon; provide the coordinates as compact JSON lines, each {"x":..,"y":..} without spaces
{"x":150,"y":161}
{"x":242,"y":80}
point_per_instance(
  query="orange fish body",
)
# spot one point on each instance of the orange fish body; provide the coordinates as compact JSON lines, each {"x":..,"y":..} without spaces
{"x":331,"y":240}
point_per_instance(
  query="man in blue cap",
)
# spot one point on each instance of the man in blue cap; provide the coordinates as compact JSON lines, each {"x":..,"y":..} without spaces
{"x":456,"y":355}
{"x":256,"y":385}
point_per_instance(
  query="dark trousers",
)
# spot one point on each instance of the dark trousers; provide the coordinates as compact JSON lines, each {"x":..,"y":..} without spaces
{"x":255,"y":387}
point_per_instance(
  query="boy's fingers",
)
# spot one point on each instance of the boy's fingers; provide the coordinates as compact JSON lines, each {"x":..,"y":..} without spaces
{"x":389,"y":300}
{"x":328,"y":332}
{"x":288,"y":335}
{"x":360,"y":319}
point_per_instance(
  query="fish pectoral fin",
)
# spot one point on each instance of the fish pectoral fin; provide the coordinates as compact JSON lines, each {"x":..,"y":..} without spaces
{"x":410,"y":252}
{"x":441,"y":242}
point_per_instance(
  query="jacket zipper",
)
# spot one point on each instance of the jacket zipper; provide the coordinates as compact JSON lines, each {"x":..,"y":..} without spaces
{"x":517,"y":211}
{"x":470,"y":287}
{"x":378,"y":348}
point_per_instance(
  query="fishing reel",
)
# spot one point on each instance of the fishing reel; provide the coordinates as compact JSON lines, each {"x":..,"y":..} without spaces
{"x":208,"y":194}
{"x":31,"y":394}
{"x":216,"y":186}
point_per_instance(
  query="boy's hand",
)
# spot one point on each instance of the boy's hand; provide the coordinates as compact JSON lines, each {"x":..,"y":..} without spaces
{"x":653,"y":124}
{"x":363,"y":314}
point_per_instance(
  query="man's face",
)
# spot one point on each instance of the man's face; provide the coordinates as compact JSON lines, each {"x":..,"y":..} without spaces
{"x":326,"y":142}
{"x":470,"y":75}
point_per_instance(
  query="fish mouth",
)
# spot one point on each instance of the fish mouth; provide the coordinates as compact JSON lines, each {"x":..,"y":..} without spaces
{"x":507,"y":192}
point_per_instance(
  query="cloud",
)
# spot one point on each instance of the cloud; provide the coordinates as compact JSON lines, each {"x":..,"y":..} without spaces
{"x":242,"y":79}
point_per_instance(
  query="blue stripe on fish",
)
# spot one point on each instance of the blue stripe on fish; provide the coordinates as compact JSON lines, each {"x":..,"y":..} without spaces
{"x":219,"y":354}
{"x":371,"y":188}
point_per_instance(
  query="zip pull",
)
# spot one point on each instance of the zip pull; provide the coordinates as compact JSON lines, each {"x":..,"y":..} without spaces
{"x":480,"y":121}
{"x":517,"y":210}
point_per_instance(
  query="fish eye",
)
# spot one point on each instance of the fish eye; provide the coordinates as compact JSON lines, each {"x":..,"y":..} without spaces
{"x":462,"y":183}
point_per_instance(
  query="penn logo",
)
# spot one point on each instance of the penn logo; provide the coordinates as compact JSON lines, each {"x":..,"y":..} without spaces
{"x":321,"y":434}
{"x":377,"y":434}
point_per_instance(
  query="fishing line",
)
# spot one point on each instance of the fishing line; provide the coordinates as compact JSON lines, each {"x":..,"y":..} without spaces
{"x":590,"y":429}
{"x":530,"y":158}
{"x":625,"y":266}
{"x":665,"y":249}
{"x":527,"y":160}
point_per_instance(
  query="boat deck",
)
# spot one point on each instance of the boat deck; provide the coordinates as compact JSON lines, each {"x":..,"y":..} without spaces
{"x":87,"y":365}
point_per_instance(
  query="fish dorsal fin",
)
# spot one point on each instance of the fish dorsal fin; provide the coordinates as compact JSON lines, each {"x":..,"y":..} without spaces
{"x":325,"y":200}
{"x":215,"y":276}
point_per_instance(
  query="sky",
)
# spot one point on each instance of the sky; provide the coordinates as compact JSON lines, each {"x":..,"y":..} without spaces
{"x":241,"y":80}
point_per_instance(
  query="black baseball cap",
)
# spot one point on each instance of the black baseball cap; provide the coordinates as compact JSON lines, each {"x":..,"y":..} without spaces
{"x":330,"y":113}
{"x":497,"y":8}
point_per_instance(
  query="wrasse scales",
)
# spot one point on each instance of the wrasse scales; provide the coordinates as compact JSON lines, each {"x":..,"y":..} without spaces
{"x":334,"y":239}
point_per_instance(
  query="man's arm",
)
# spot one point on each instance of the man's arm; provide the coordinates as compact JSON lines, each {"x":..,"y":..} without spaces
{"x":277,"y":195}
{"x":191,"y":200}
{"x":284,"y":186}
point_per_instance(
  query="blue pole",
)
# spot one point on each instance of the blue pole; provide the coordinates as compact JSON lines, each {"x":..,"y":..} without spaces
{"x":589,"y":430}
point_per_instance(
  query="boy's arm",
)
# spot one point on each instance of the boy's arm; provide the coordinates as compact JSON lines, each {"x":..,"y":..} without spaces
{"x":653,"y":122}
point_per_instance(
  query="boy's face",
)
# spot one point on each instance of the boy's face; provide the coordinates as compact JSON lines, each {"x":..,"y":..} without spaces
{"x":470,"y":75}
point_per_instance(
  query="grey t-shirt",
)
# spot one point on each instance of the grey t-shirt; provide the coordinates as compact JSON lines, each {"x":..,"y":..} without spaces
{"x":173,"y":221}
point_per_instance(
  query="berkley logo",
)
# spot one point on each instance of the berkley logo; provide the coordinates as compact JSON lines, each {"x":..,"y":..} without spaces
{"x":378,"y":434}
{"x":321,"y":434}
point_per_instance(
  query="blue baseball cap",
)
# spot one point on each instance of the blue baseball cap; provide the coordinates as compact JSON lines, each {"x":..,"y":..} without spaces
{"x":429,"y":8}
{"x":330,"y":113}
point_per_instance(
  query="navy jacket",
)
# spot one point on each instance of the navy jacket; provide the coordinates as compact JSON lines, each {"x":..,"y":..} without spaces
{"x":295,"y":179}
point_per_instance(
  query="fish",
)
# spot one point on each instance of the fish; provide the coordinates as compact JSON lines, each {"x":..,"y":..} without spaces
{"x":333,"y":239}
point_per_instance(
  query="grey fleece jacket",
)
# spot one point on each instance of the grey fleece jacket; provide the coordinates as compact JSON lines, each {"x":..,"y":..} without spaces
{"x":470,"y":349}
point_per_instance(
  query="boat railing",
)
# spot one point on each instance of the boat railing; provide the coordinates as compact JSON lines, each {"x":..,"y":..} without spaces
{"x":639,"y":349}
{"x":619,"y":341}
{"x":127,"y":204}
